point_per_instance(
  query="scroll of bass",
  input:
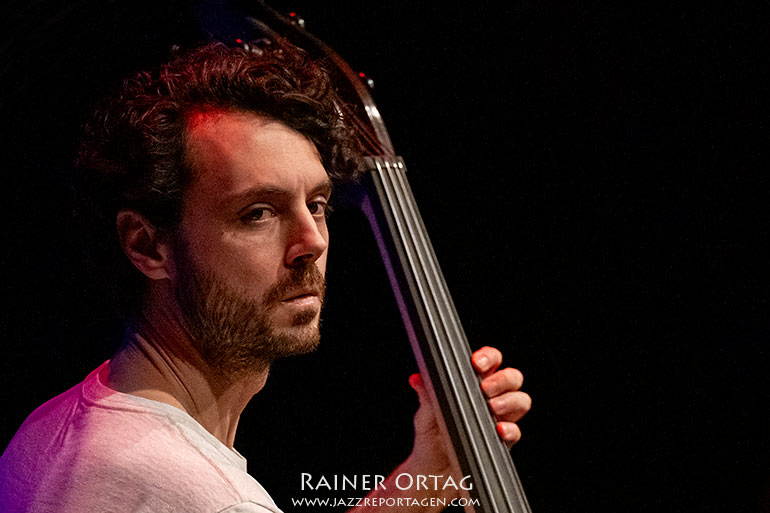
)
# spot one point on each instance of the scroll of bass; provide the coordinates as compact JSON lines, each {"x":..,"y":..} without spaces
{"x":432,"y":324}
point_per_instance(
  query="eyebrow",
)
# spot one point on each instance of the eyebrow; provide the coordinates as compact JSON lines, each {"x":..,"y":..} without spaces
{"x":276,"y":193}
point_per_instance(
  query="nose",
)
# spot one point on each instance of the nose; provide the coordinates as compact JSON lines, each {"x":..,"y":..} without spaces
{"x":307,"y":239}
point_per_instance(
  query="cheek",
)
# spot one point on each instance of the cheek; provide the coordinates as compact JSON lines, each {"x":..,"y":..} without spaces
{"x":254,"y":269}
{"x":241,"y":263}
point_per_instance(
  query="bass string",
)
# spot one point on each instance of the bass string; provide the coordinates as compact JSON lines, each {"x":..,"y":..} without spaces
{"x":500,"y":454}
{"x":454,"y":337}
{"x":423,"y":262}
{"x":426,"y":317}
{"x":457,"y":343}
{"x":468,"y":433}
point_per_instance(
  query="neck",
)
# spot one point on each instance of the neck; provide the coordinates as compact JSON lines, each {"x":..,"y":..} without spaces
{"x":157,"y":361}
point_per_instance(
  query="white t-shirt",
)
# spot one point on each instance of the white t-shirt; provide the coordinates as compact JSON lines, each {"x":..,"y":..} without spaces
{"x":93,"y":449}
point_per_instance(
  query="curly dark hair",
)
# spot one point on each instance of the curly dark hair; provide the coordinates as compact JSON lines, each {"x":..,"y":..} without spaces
{"x":133,"y":151}
{"x":132,"y":154}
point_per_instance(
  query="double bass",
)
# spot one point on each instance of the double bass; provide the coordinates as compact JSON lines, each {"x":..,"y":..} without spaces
{"x":433,"y":327}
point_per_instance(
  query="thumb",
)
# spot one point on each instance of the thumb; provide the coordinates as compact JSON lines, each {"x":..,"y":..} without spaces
{"x":423,"y":419}
{"x":416,"y":382}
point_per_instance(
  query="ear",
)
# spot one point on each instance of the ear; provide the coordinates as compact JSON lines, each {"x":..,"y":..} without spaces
{"x":143,"y":245}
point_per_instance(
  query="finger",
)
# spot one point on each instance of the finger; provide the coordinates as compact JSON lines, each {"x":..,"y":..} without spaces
{"x":511,"y":406}
{"x":486,"y":360}
{"x":424,"y":420}
{"x":509,"y":432}
{"x":415,"y":381}
{"x":502,"y":381}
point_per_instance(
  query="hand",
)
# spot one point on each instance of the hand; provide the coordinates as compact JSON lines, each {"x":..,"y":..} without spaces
{"x":506,"y":402}
{"x":501,"y":387}
{"x":429,"y":455}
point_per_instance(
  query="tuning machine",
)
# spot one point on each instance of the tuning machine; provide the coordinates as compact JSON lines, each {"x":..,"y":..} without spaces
{"x":296,"y":19}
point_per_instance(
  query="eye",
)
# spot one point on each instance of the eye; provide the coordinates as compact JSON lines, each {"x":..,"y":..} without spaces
{"x":258,"y":215}
{"x":319,"y":209}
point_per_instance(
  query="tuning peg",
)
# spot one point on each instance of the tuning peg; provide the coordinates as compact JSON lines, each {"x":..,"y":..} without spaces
{"x":256,"y":46}
{"x":366,"y":80}
{"x":297,"y":19}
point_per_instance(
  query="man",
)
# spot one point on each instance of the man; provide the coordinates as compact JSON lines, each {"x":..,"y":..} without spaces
{"x":217,"y":171}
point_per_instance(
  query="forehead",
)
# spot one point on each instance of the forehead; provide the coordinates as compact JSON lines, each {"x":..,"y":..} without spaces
{"x":232,"y":152}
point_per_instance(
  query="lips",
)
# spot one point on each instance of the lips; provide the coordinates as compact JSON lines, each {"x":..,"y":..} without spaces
{"x":303,"y":300}
{"x":304,"y":283}
{"x":300,"y":294}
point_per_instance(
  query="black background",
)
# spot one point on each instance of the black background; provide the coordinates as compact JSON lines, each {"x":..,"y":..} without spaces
{"x":594,"y":179}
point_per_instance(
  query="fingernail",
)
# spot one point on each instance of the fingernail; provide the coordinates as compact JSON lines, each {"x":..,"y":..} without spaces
{"x":482,"y":362}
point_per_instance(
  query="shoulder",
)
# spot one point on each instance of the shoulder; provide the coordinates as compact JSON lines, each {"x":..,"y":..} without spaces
{"x":104,"y":454}
{"x":171,"y":458}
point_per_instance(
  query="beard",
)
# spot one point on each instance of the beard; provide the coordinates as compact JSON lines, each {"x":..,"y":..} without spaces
{"x":233,"y":332}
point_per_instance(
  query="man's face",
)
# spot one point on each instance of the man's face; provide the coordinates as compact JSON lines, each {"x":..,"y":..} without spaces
{"x":250,"y":253}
